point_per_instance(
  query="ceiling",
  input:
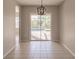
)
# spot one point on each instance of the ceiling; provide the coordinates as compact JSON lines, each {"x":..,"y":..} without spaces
{"x":38,"y":2}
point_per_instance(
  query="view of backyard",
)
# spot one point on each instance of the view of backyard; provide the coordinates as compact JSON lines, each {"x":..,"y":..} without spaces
{"x":40,"y":27}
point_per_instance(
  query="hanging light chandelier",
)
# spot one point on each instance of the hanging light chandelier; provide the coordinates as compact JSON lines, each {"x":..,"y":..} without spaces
{"x":41,"y":10}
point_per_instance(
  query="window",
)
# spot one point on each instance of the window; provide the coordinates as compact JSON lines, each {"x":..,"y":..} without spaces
{"x":17,"y":22}
{"x":17,"y":16}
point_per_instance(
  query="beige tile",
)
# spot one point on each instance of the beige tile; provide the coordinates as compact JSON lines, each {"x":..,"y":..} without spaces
{"x":39,"y":50}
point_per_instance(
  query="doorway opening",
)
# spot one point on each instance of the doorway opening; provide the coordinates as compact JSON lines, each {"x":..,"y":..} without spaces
{"x":40,"y":28}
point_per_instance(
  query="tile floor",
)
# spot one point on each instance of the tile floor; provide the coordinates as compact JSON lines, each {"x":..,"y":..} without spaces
{"x":39,"y":50}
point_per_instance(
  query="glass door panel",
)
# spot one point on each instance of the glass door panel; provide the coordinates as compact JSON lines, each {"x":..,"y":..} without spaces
{"x":40,"y":27}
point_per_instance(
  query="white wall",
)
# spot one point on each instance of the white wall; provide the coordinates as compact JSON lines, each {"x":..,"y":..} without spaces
{"x":8,"y":25}
{"x":26,"y":12}
{"x":67,"y":24}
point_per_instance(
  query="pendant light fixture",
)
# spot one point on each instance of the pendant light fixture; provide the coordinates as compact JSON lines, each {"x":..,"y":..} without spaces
{"x":41,"y":10}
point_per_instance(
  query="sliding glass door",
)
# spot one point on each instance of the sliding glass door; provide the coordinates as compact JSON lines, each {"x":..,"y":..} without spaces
{"x":40,"y":27}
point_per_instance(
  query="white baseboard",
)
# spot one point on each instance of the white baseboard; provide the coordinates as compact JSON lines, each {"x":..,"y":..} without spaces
{"x":8,"y":52}
{"x":68,"y":49}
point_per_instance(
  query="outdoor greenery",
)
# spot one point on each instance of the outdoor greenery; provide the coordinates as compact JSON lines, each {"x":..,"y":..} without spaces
{"x":43,"y":20}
